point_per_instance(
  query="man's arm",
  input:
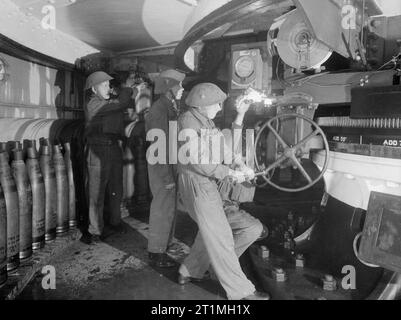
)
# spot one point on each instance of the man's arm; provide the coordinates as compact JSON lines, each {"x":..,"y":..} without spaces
{"x":233,"y":148}
{"x":101,"y":108}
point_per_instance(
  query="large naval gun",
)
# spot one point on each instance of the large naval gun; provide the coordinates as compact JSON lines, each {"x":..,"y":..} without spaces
{"x":329,"y":111}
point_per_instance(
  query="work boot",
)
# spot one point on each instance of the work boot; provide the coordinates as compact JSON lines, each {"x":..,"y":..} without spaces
{"x":89,"y":238}
{"x":97,"y":239}
{"x":161,"y":260}
{"x":183,"y":280}
{"x":86,"y":238}
{"x":257,"y":296}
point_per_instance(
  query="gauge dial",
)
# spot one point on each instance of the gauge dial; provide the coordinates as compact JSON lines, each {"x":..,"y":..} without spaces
{"x":244,"y":67}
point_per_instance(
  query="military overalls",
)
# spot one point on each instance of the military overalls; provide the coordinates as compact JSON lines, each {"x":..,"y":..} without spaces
{"x":223,"y":236}
{"x":104,"y":128}
{"x":163,"y":206}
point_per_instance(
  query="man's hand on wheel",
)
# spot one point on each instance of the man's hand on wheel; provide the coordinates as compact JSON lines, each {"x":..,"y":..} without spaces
{"x":248,"y":172}
{"x":241,"y":176}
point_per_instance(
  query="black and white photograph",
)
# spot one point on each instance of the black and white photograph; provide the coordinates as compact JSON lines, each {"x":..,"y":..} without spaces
{"x":200,"y":158}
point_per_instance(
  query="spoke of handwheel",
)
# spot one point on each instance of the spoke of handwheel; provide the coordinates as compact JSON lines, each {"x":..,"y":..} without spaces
{"x":272,"y":166}
{"x":301,"y":168}
{"x":278,"y":137}
{"x":276,"y":163}
{"x":306,"y":139}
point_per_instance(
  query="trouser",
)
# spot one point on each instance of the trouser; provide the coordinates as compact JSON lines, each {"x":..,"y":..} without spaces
{"x":105,"y":176}
{"x":162,"y":212}
{"x":222,"y":236}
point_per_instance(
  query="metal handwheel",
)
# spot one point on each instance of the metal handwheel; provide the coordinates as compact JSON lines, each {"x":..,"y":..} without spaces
{"x":291,"y":153}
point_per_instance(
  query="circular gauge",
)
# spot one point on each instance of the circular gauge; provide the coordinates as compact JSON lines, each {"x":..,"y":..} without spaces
{"x":244,"y":67}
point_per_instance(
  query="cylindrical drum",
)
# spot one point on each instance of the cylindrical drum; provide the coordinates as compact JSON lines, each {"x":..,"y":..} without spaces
{"x":4,"y":148}
{"x":38,"y":198}
{"x":11,"y":197}
{"x":49,"y":177}
{"x":62,"y":191}
{"x":20,"y":175}
{"x":11,"y":145}
{"x":3,"y":238}
{"x":71,"y":183}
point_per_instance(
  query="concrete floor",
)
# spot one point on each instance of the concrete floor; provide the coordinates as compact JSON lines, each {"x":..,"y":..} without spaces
{"x":118,"y":269}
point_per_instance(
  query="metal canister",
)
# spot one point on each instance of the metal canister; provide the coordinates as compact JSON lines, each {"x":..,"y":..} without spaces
{"x":21,"y":178}
{"x":11,"y":197}
{"x":279,"y":275}
{"x":71,"y":183}
{"x":38,"y":198}
{"x":12,"y":145}
{"x":49,"y":178}
{"x":3,"y":239}
{"x":300,"y":260}
{"x":264,"y":252}
{"x":329,"y":283}
{"x":62,"y":191}
{"x":4,"y":148}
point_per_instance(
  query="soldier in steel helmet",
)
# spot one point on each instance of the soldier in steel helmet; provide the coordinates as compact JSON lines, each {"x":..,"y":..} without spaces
{"x":163,"y":176}
{"x":104,"y":130}
{"x":223,"y":235}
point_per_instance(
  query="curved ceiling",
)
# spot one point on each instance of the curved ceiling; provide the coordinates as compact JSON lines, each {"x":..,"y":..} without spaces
{"x":121,"y":26}
{"x":116,"y":26}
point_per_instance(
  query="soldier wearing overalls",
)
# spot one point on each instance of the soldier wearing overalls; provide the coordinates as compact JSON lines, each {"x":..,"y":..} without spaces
{"x":163,"y":177}
{"x":104,"y":129}
{"x":223,"y":236}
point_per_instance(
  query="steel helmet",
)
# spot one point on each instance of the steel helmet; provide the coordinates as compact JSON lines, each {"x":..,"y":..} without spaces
{"x":205,"y":94}
{"x":168,"y":79}
{"x":96,"y":78}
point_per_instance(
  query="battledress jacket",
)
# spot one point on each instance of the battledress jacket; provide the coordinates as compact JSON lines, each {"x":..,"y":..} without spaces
{"x":193,"y":119}
{"x":160,"y":113}
{"x":106,"y":117}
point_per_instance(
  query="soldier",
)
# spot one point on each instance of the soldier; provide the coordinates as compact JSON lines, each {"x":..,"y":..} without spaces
{"x":221,"y":238}
{"x":104,"y":130}
{"x":162,"y":177}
